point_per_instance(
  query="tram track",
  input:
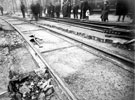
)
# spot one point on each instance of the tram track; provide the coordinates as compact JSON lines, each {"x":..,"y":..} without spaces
{"x":90,"y":23}
{"x":127,"y":61}
{"x":66,"y":90}
{"x":119,"y":30}
{"x":110,"y":56}
{"x":36,"y":55}
{"x":108,"y":38}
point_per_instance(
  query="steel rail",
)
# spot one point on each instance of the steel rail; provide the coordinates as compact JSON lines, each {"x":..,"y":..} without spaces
{"x":129,"y":61}
{"x":118,"y":56}
{"x":107,"y":52}
{"x":67,"y":92}
{"x":129,"y":25}
{"x":75,"y":22}
{"x":98,"y":26}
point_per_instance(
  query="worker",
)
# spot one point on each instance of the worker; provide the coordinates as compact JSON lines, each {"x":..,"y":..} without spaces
{"x":121,"y":9}
{"x":23,"y":9}
{"x":35,"y":8}
{"x":105,"y":11}
{"x":84,"y":8}
{"x":1,"y":9}
{"x":68,"y":9}
{"x":75,"y":10}
{"x":57,"y":10}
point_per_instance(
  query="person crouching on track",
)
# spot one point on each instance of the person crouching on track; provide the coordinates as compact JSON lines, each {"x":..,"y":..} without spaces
{"x":35,"y":8}
{"x":23,"y":9}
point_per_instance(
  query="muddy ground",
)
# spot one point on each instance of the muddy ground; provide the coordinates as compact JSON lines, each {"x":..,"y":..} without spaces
{"x":90,"y":77}
{"x":13,"y":56}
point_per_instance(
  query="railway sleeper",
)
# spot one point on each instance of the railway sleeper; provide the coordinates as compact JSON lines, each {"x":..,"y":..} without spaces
{"x":100,"y":40}
{"x":124,"y":46}
{"x":95,"y":38}
{"x":108,"y":41}
{"x":85,"y":36}
{"x":118,"y":32}
{"x":71,"y":31}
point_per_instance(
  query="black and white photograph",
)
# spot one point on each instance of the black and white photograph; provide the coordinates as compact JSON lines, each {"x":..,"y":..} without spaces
{"x":67,"y":50}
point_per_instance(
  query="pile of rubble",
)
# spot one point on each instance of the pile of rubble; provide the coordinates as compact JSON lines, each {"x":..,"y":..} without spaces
{"x":35,"y":85}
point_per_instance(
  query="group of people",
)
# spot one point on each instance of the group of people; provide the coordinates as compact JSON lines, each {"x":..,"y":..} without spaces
{"x":55,"y":10}
{"x":84,"y":9}
{"x":121,"y":10}
{"x":35,"y":10}
{"x":52,"y":11}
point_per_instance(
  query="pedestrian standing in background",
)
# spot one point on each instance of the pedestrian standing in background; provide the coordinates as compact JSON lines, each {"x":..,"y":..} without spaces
{"x":105,"y":11}
{"x":46,"y":10}
{"x":64,"y":9}
{"x":69,"y":9}
{"x":41,"y":11}
{"x":75,"y":10}
{"x":57,"y":10}
{"x":51,"y":10}
{"x":1,"y":9}
{"x":32,"y":10}
{"x":35,"y":9}
{"x":84,"y":8}
{"x":121,"y":9}
{"x":23,"y":9}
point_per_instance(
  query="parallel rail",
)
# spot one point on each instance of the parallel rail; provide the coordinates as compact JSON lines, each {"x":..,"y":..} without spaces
{"x":123,"y":31}
{"x":129,"y":62}
{"x":118,"y":25}
{"x":66,"y":91}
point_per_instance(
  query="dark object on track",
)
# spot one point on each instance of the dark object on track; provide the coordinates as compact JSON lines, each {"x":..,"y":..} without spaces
{"x":35,"y":40}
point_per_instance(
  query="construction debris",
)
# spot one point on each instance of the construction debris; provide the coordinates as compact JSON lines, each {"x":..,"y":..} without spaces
{"x":36,"y":85}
